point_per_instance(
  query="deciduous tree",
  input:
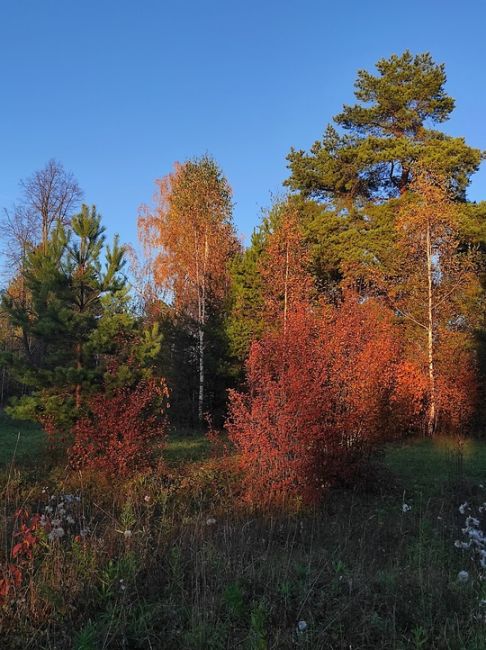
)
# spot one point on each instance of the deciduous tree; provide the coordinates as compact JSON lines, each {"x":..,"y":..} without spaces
{"x":283,"y":266}
{"x":51,"y":195}
{"x":192,"y":233}
{"x":432,"y":285}
{"x":270,"y":275}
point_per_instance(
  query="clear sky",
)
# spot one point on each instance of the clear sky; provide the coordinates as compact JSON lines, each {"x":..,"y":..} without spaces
{"x":119,"y":90}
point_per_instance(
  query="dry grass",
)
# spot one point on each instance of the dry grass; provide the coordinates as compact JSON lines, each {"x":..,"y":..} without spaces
{"x":357,"y":570}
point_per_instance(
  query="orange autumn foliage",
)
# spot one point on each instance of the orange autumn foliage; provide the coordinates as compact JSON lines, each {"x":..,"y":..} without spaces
{"x":456,"y":388}
{"x":318,"y":399}
{"x":457,"y":382}
{"x":431,"y":283}
{"x":189,"y":239}
{"x":410,"y":396}
{"x":283,"y":268}
{"x":122,"y":430}
{"x":188,"y":235}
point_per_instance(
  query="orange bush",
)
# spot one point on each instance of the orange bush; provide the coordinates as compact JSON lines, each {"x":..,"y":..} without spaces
{"x":122,"y":430}
{"x":410,"y":396}
{"x":457,"y":383}
{"x":456,"y":386}
{"x":318,"y":399}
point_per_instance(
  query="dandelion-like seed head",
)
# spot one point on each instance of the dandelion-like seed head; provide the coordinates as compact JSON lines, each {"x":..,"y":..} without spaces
{"x":56,"y":533}
{"x":472,"y":522}
{"x":463,"y":545}
{"x":463,"y":576}
{"x":301,"y":627}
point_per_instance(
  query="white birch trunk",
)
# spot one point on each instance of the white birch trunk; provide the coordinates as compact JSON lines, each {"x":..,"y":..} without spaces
{"x":430,"y":338}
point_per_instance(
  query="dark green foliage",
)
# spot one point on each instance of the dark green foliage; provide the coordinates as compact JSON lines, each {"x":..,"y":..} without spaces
{"x":178,"y":364}
{"x":384,"y":135}
{"x":74,"y":320}
{"x":245,"y":322}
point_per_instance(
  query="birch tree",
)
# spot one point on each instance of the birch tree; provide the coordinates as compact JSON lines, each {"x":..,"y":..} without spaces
{"x":433,"y":277}
{"x":190,"y":237}
{"x":286,"y":281}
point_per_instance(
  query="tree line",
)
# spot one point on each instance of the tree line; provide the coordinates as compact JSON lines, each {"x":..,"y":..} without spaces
{"x":355,"y":314}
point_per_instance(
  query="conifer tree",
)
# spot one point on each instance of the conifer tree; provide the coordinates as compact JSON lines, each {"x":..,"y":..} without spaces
{"x":371,"y":151}
{"x":245,"y":322}
{"x":75,"y":321}
{"x":362,"y":167}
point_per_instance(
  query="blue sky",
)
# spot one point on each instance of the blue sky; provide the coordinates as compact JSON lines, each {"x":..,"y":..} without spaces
{"x":118,"y":91}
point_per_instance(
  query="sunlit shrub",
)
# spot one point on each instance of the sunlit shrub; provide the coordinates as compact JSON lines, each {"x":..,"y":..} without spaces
{"x":318,"y":399}
{"x":122,"y":431}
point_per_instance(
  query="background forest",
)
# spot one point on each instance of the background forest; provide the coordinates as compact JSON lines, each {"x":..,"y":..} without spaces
{"x":210,"y":445}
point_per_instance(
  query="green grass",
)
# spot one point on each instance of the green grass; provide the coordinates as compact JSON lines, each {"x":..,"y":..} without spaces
{"x":358,"y":570}
{"x":424,"y":465}
{"x":24,"y":443}
{"x":421,"y":465}
{"x":20,"y":442}
{"x":186,"y":447}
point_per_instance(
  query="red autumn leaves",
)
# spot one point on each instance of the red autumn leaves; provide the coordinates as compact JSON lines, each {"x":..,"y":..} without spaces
{"x":328,"y":382}
{"x":318,"y":397}
{"x":322,"y":394}
{"x":26,"y":539}
{"x":121,"y":430}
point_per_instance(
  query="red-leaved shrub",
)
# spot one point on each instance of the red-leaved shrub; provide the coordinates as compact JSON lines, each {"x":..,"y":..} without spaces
{"x":456,"y":383}
{"x":410,"y":396}
{"x":456,"y":386}
{"x":318,"y":399}
{"x":26,"y":539}
{"x":122,"y":431}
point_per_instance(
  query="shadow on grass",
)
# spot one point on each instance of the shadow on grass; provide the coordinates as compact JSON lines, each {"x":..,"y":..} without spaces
{"x":427,"y":465}
{"x":20,"y":442}
{"x":186,"y":447}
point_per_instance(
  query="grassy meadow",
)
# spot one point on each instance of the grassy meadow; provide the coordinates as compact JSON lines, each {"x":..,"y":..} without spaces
{"x":167,"y":560}
{"x":325,"y":330}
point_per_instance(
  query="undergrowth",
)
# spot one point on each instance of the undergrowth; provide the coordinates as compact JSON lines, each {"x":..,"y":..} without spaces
{"x":173,"y":561}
